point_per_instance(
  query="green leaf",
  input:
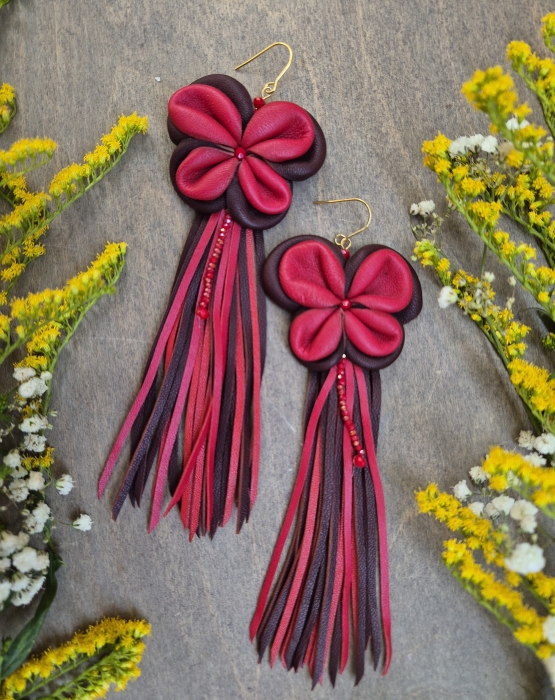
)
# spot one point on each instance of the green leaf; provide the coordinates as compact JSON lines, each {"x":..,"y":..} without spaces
{"x":22,"y":645}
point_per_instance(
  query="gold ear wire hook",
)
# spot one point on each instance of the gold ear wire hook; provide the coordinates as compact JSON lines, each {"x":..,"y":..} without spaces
{"x":269,"y":89}
{"x":341,"y":239}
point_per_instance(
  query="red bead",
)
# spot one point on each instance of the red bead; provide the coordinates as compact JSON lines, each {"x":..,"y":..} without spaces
{"x":210,"y":275}
{"x":346,"y":304}
{"x":258,"y":102}
{"x":345,"y":253}
{"x":240,"y":153}
{"x":203,"y":313}
{"x":350,"y":425}
{"x":359,"y":461}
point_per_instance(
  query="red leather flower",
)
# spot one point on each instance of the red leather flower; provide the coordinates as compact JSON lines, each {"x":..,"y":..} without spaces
{"x":227,"y":148}
{"x":355,"y":308}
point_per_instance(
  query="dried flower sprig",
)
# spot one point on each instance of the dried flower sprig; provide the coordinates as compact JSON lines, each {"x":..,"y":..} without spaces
{"x":502,"y":516}
{"x":115,"y":646}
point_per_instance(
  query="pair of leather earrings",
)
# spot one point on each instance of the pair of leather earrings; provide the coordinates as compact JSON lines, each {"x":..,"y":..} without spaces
{"x":234,"y":163}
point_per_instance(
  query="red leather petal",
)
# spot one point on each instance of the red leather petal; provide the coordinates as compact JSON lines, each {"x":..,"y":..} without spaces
{"x":315,"y":334}
{"x":311,"y":275}
{"x":382,"y":282}
{"x":280,"y":131}
{"x":265,"y":189}
{"x":374,"y":333}
{"x":204,"y":112}
{"x":206,"y":173}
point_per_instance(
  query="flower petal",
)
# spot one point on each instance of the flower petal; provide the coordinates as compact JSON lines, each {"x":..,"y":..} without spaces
{"x":374,"y":333}
{"x":205,"y":173}
{"x":265,"y":190}
{"x":315,"y":334}
{"x":204,"y":112}
{"x":279,"y":131}
{"x":311,"y":275}
{"x":382,"y":282}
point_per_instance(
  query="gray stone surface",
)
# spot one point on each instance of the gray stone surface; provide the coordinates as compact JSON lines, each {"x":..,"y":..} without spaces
{"x":380,"y":77}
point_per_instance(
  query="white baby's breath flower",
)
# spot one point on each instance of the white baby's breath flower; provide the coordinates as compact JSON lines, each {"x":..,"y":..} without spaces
{"x":19,"y":581}
{"x":549,"y":629}
{"x":32,"y":387}
{"x":46,"y":376}
{"x":34,"y":442}
{"x":458,"y":146}
{"x":447,"y":297}
{"x":521,"y":509}
{"x":535,"y":459}
{"x":18,"y":490}
{"x":512,"y":282}
{"x":489,"y":277}
{"x":503,"y":504}
{"x":83,"y":522}
{"x":29,"y":559}
{"x":526,"y":559}
{"x":475,"y":142}
{"x":526,"y":439}
{"x":12,"y":459}
{"x":10,"y":543}
{"x":34,"y":424}
{"x":528,"y":524}
{"x":22,"y":374}
{"x":489,"y":144}
{"x":491,"y":511}
{"x":5,"y":564}
{"x":512,"y":124}
{"x":35,"y":521}
{"x":26,"y":596}
{"x":478,"y":475}
{"x":477,"y":507}
{"x":64,"y":484}
{"x":461,"y":490}
{"x":414,"y":209}
{"x":42,"y":512}
{"x":545,"y":443}
{"x":35,"y":482}
{"x":19,"y":473}
{"x":426,"y":207}
{"x":5,"y":591}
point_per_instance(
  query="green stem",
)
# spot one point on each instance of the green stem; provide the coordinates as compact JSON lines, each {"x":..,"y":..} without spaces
{"x":46,"y":681}
{"x":483,"y":265}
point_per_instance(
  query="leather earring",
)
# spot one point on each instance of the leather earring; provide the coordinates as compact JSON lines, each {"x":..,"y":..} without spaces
{"x":348,"y":316}
{"x":234,"y":163}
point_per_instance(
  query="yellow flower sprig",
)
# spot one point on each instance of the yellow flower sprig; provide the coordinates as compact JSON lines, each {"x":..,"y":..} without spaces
{"x":117,"y":643}
{"x":8,"y":106}
{"x":475,"y":298}
{"x":482,"y":217}
{"x":536,"y":484}
{"x":34,"y":212}
{"x":25,"y":155}
{"x":492,"y":92}
{"x":536,"y":387}
{"x":501,"y":599}
{"x":65,"y":308}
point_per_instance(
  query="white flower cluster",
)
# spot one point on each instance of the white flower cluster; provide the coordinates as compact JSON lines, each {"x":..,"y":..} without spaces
{"x":464,"y":144}
{"x":544,"y":444}
{"x":447,"y":297}
{"x":424,"y":208}
{"x":22,"y":569}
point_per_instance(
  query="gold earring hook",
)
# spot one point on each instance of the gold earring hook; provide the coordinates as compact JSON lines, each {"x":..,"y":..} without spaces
{"x":269,"y":89}
{"x":341,"y":239}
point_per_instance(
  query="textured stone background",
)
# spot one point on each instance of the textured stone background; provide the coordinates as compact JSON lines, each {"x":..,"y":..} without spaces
{"x":380,"y":77}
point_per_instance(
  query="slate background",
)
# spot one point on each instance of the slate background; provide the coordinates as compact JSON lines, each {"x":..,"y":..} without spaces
{"x":380,"y":77}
